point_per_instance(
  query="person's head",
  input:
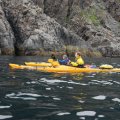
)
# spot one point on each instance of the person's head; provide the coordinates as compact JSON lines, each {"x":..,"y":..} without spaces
{"x":77,"y":54}
{"x":53,"y":57}
{"x":65,"y":57}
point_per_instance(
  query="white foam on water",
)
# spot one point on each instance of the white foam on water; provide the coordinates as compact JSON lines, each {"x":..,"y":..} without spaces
{"x":116,"y":99}
{"x":45,"y":96}
{"x":96,"y":118}
{"x":28,"y":82}
{"x":70,"y":87}
{"x":100,"y":97}
{"x":101,"y":116}
{"x":10,"y":95}
{"x":63,"y":113}
{"x":111,"y":108}
{"x":95,"y":80}
{"x":48,"y":88}
{"x":14,"y":77}
{"x":81,"y":101}
{"x":93,"y":83}
{"x":28,"y":94}
{"x":2,"y":107}
{"x":33,"y":82}
{"x":27,"y":98}
{"x":60,"y":81}
{"x":63,"y":77}
{"x":94,"y":74}
{"x":56,"y":99}
{"x":5,"y":117}
{"x":52,"y":81}
{"x":23,"y":98}
{"x":82,"y":118}
{"x":86,"y":113}
{"x":31,"y":96}
{"x":103,"y":82}
{"x":75,"y":83}
{"x":91,"y":76}
{"x":117,"y":82}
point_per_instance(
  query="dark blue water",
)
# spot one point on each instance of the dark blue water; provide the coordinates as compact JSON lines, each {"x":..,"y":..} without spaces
{"x":35,"y":95}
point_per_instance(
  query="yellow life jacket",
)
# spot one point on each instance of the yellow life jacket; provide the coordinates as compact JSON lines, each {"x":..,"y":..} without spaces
{"x":54,"y":63}
{"x":74,"y":64}
{"x":79,"y":61}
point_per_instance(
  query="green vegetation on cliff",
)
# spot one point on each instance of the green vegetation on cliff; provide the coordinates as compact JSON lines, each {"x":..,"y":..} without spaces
{"x":90,"y":15}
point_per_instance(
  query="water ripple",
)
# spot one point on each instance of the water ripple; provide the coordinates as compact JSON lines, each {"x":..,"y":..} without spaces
{"x":63,"y":113}
{"x":52,"y":81}
{"x":101,"y":116}
{"x":56,"y":99}
{"x":22,"y":96}
{"x":4,"y":107}
{"x":100,"y":97}
{"x":116,"y":99}
{"x":5,"y":117}
{"x":104,"y":82}
{"x":86,"y":113}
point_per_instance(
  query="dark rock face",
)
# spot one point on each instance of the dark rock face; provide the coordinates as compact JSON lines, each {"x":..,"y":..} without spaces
{"x":113,"y":7}
{"x":6,"y":35}
{"x":36,"y":32}
{"x":46,"y":25}
{"x":90,"y":19}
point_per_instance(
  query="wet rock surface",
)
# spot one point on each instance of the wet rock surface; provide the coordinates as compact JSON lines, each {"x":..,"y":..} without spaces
{"x":59,"y":25}
{"x":6,"y":35}
{"x":35,"y":32}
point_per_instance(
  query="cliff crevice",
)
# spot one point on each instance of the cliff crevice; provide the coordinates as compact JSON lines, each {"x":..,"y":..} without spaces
{"x":32,"y":27}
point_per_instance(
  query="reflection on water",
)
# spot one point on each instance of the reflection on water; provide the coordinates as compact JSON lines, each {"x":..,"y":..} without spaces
{"x":31,"y":95}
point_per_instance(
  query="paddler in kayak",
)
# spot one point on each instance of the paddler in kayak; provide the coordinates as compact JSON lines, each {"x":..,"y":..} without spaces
{"x":79,"y":61}
{"x":53,"y":57}
{"x":64,"y":61}
{"x":53,"y":61}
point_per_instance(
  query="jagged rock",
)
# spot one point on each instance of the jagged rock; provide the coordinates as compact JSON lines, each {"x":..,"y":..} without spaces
{"x":6,"y":35}
{"x":35,"y":31}
{"x":94,"y":25}
{"x":113,"y":7}
{"x":91,"y":20}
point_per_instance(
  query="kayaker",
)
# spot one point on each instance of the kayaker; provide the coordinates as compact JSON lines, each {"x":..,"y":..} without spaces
{"x":53,"y":60}
{"x":53,"y":57}
{"x":64,"y":61}
{"x":79,"y":61}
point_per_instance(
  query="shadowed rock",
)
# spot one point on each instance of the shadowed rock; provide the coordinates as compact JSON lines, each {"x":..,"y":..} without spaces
{"x":38,"y":26}
{"x":35,"y":31}
{"x":6,"y":35}
{"x":90,"y":19}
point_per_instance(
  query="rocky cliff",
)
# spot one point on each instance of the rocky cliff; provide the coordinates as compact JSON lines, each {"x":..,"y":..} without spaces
{"x":37,"y":26}
{"x":6,"y":35}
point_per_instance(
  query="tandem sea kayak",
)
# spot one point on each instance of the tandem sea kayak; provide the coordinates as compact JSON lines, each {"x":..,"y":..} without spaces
{"x":63,"y":69}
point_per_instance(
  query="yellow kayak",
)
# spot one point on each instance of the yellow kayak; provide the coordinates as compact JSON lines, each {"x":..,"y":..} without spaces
{"x":63,"y":69}
{"x":41,"y":64}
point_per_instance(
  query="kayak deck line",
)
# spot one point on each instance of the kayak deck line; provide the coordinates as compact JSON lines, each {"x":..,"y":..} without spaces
{"x":63,"y":69}
{"x":41,"y":64}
